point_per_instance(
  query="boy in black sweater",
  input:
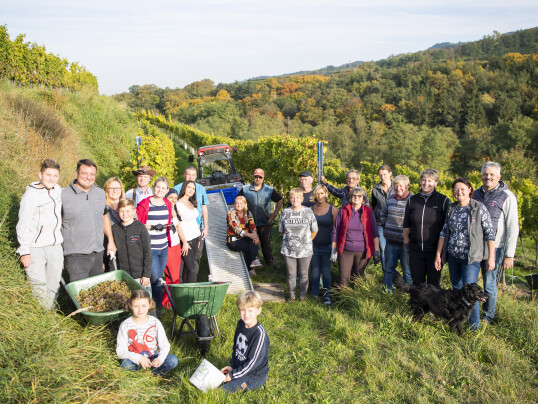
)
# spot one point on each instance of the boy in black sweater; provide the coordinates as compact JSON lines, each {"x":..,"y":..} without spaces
{"x":250,"y":357}
{"x":133,"y":244}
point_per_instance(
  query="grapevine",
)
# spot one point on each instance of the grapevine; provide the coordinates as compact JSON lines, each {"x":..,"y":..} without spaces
{"x":106,"y":296}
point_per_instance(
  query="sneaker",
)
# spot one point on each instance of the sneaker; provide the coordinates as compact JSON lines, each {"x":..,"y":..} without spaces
{"x":252,"y":272}
{"x":256,"y":263}
{"x":327,"y":301}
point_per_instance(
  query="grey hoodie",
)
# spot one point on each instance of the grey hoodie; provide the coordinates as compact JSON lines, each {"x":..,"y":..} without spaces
{"x":40,"y":219}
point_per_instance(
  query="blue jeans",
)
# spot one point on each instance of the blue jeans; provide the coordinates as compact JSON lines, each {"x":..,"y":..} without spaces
{"x":463,"y":273}
{"x":169,"y":363}
{"x":382,"y":246}
{"x":393,"y":253}
{"x":158,"y":263}
{"x":490,"y":285}
{"x":320,"y":265}
{"x":250,"y":383}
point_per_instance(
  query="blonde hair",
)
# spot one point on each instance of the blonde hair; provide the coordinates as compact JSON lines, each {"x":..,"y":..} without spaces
{"x":107,"y":185}
{"x":242,"y":198}
{"x":249,"y":298}
{"x":123,"y":203}
{"x":319,"y":187}
{"x":296,"y":191}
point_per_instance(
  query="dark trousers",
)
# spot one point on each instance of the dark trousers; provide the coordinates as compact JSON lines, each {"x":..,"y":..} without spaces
{"x":264,"y":234}
{"x":423,"y":270}
{"x":351,"y":264}
{"x":247,"y":247}
{"x":189,"y":269}
{"x":82,"y":266}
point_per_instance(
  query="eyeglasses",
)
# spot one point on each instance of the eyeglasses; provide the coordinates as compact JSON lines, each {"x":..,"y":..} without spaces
{"x":115,"y":188}
{"x":352,"y":179}
{"x":357,"y":196}
{"x":258,"y":176}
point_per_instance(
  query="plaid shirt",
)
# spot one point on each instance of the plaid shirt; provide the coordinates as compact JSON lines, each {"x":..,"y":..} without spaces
{"x":343,"y":194}
{"x":237,"y":224}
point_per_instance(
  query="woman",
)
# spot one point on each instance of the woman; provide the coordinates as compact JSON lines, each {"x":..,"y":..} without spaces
{"x":190,"y":229}
{"x":114,"y":193}
{"x":354,"y":237}
{"x":468,"y":237}
{"x":321,"y":258}
{"x":242,"y":235}
{"x":39,"y":235}
{"x":380,"y":193}
{"x":299,"y":227}
{"x":392,"y":218}
{"x":156,"y":213}
{"x":424,"y":218}
{"x":173,"y":261}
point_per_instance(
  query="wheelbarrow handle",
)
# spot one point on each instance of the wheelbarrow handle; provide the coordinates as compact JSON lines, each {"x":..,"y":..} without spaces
{"x":113,"y":263}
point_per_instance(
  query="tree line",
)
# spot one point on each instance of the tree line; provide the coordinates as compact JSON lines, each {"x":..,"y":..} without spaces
{"x":444,"y":108}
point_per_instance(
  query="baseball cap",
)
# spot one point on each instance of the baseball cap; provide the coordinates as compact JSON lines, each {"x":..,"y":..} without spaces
{"x":259,"y":171}
{"x":306,"y":174}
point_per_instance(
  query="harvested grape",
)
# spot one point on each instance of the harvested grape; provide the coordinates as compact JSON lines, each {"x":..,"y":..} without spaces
{"x":106,"y":296}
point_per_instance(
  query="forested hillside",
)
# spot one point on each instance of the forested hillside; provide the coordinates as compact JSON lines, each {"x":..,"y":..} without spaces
{"x":447,"y":108}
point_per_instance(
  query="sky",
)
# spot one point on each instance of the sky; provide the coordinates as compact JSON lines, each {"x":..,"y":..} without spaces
{"x":172,"y":43}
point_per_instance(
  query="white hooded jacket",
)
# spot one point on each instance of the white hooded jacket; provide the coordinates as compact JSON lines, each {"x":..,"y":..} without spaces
{"x":40,"y":219}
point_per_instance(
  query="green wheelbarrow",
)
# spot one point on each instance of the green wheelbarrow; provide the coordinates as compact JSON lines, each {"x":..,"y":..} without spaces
{"x":199,"y":302}
{"x":531,"y":280}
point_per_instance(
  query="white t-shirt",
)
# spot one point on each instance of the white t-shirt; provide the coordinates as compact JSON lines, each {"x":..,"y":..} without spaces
{"x":188,"y":222}
{"x":297,"y":226}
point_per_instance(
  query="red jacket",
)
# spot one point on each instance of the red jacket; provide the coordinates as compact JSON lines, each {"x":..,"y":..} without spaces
{"x":366,"y":224}
{"x":142,"y":210}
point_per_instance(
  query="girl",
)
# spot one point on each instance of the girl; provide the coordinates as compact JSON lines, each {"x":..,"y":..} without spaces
{"x":321,"y":259}
{"x":186,"y":207}
{"x":173,"y":262}
{"x":39,"y":235}
{"x":142,"y":341}
{"x":299,"y":227}
{"x":156,"y":213}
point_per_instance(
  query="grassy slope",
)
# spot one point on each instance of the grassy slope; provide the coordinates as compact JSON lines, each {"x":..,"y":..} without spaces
{"x":365,"y":349}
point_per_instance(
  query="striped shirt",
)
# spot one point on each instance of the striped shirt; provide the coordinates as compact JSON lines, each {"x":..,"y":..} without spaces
{"x":158,"y":215}
{"x":392,"y":218}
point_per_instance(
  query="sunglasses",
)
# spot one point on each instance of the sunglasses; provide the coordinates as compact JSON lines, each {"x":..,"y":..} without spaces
{"x":258,"y":176}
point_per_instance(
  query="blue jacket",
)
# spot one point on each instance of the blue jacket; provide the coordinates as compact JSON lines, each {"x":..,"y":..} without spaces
{"x":259,"y":202}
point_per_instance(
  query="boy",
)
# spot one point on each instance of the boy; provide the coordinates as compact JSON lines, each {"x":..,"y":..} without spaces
{"x":250,"y":357}
{"x":133,"y":244}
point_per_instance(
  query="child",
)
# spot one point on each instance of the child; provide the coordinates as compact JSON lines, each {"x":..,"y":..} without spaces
{"x":250,"y":357}
{"x":39,"y":235}
{"x":142,"y":341}
{"x":133,"y":244}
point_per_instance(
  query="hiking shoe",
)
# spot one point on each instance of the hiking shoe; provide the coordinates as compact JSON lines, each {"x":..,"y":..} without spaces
{"x":270,"y":264}
{"x":252,"y":272}
{"x":327,"y":301}
{"x":256,"y":263}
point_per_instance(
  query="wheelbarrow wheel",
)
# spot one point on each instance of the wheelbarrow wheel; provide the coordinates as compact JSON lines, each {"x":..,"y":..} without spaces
{"x":203,"y":329}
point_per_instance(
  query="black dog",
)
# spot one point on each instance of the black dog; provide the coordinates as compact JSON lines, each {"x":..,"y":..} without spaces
{"x":455,"y":306}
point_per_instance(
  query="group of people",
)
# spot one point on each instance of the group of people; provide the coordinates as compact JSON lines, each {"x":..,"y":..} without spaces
{"x":161,"y":230}
{"x":147,"y":229}
{"x":477,"y":232}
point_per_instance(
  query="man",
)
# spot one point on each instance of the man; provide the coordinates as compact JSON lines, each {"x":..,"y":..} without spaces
{"x":259,"y":197}
{"x":84,"y":220}
{"x":502,"y":207}
{"x":353,"y":178}
{"x":305,"y":180}
{"x":202,"y":219}
{"x":143,"y":177}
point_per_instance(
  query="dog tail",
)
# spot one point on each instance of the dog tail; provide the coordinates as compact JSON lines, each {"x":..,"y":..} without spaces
{"x":398,"y":281}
